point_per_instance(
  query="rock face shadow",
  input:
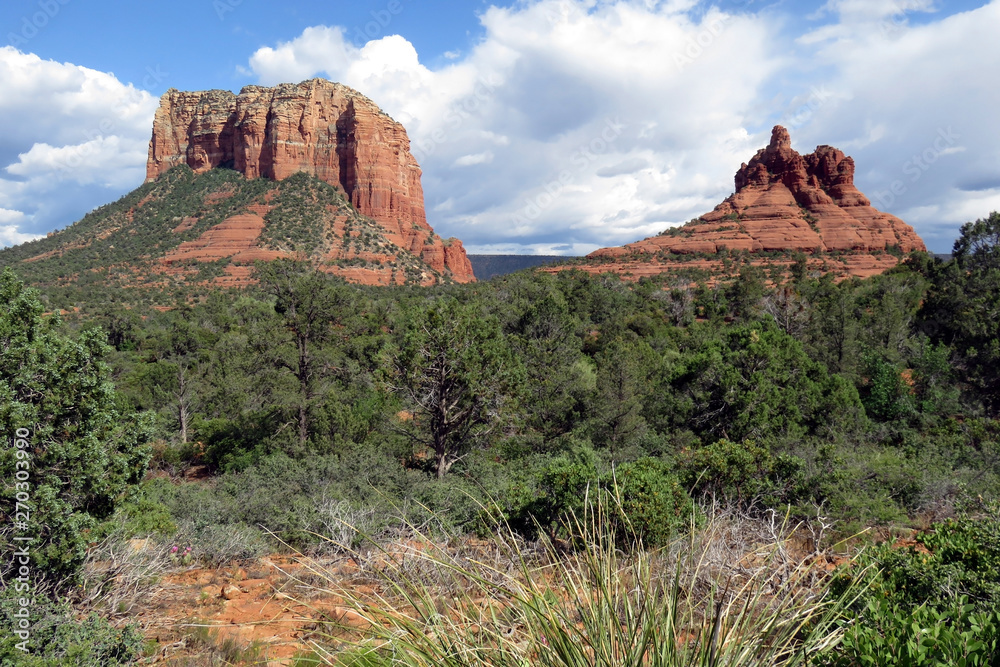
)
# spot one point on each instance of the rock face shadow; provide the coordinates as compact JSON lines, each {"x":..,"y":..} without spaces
{"x":318,"y":127}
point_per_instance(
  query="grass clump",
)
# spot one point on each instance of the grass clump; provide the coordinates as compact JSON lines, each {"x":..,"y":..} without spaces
{"x":590,"y":601}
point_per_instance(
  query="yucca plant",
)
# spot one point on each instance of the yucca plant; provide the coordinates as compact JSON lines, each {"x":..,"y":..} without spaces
{"x":590,"y":602}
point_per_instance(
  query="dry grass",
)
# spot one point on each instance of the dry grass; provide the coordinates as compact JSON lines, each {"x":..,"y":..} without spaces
{"x":118,"y":573}
{"x":736,"y":591}
{"x":205,"y":647}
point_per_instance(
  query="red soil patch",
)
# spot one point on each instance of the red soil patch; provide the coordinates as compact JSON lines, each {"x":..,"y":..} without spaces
{"x":911,"y":544}
{"x":213,"y":198}
{"x":186,"y":224}
{"x":54,"y":253}
{"x":234,"y":237}
{"x":260,"y":604}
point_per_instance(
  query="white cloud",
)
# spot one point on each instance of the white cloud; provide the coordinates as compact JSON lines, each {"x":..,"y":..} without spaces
{"x":628,"y":166}
{"x":570,"y":249}
{"x":695,"y":91}
{"x":497,"y":139}
{"x":10,"y":235}
{"x":73,"y":138}
{"x":478,"y":158}
{"x":316,"y":50}
{"x":10,"y":222}
{"x":62,"y":103}
{"x":875,"y":9}
{"x":8,"y":216}
{"x":556,"y":98}
{"x":111,"y":162}
{"x":914,"y":113}
{"x":588,"y":122}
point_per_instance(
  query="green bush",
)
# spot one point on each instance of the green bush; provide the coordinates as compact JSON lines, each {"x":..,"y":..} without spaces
{"x":649,"y":502}
{"x":964,"y":561}
{"x":743,"y":473}
{"x":755,"y":382}
{"x":558,"y":491}
{"x":79,"y":449}
{"x":654,"y":505}
{"x":932,"y":606}
{"x":886,"y":395}
{"x":890,"y":635}
{"x":59,"y":639}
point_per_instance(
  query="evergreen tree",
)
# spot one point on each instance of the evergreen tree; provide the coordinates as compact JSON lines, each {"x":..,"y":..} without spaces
{"x":74,"y":446}
{"x":310,"y":304}
{"x":456,"y":373}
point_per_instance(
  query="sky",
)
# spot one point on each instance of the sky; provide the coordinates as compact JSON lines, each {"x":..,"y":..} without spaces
{"x":541,"y":126}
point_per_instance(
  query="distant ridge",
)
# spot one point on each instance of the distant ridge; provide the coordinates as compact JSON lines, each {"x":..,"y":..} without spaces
{"x":485,"y":267}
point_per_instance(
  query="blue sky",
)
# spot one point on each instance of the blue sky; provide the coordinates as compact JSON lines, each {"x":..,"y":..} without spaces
{"x":545,"y":126}
{"x":201,"y":43}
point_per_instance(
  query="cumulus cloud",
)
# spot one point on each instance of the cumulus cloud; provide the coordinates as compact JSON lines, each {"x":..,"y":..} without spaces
{"x":693,"y":91}
{"x":921,"y":123}
{"x":628,"y":166}
{"x":74,"y":138}
{"x":10,"y":233}
{"x":575,"y":124}
{"x":111,"y":162}
{"x":557,"y":98}
{"x":865,"y":10}
{"x":317,"y":49}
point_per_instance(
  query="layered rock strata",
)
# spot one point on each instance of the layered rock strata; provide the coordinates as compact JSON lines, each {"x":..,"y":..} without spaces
{"x":785,"y":201}
{"x":322,"y":128}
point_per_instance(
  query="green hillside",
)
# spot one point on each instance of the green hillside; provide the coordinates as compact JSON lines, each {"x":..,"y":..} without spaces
{"x":122,"y":244}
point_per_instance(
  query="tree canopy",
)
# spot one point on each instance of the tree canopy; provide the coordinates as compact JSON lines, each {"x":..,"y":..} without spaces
{"x":85,"y":445}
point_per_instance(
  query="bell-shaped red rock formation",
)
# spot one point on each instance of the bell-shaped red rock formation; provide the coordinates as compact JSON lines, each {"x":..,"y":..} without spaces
{"x":785,"y":201}
{"x":324,"y":129}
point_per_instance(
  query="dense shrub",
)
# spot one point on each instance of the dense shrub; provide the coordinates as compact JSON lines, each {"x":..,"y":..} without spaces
{"x":742,"y":473}
{"x":80,"y":447}
{"x":754,"y":381}
{"x":654,"y":506}
{"x":643,"y":500}
{"x":59,"y":639}
{"x":892,"y":636}
{"x":935,"y":605}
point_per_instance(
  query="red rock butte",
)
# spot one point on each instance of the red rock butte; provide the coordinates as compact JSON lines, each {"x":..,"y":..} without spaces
{"x":784,"y":201}
{"x":318,"y":127}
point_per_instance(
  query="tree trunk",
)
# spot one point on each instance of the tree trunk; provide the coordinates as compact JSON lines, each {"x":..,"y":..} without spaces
{"x":442,"y":464}
{"x":182,"y":404}
{"x":183,"y":417}
{"x":441,"y":453}
{"x":303,"y":423}
{"x":304,"y":394}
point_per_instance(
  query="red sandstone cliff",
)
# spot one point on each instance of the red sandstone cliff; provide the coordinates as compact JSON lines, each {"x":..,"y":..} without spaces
{"x":324,"y":129}
{"x":784,"y":201}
